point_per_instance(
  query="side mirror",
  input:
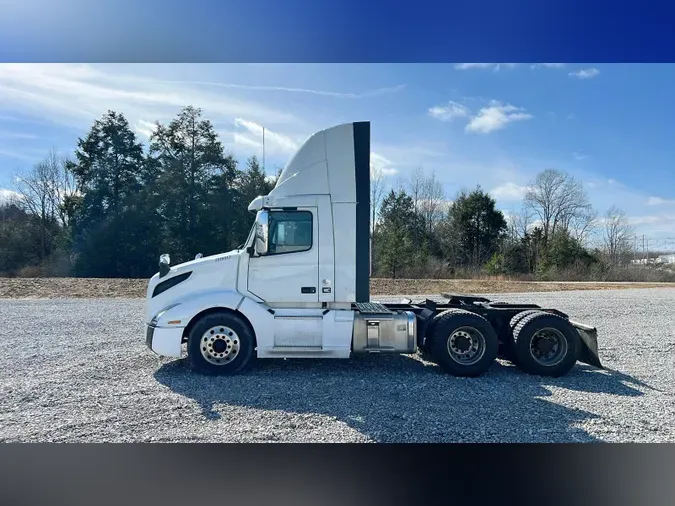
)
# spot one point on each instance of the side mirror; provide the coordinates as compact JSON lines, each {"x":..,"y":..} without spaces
{"x":164,"y":265}
{"x":262,"y":232}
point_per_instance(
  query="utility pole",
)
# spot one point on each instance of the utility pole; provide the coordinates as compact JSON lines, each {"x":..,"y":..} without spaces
{"x":643,"y":248}
{"x":634,"y":248}
{"x":263,"y":149}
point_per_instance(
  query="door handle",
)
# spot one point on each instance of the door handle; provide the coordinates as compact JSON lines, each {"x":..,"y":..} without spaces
{"x":308,"y":289}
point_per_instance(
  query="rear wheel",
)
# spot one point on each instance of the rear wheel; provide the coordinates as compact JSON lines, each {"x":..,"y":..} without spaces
{"x":220,"y":344}
{"x":516,"y":319}
{"x":429,"y":332}
{"x":463,"y":343}
{"x":545,"y":344}
{"x":508,"y":350}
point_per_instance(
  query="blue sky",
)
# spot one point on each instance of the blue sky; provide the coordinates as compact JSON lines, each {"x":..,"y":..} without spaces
{"x":496,"y":125}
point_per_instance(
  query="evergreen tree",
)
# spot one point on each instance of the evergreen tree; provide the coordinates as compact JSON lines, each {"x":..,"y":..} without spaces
{"x":189,"y":155}
{"x":108,"y":167}
{"x":477,"y":226}
{"x":253,"y":183}
{"x":395,"y":247}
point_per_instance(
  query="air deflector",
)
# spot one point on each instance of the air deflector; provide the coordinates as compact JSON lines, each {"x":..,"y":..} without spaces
{"x":362,"y":179}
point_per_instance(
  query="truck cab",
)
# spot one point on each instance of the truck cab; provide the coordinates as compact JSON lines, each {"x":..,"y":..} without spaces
{"x":299,"y":287}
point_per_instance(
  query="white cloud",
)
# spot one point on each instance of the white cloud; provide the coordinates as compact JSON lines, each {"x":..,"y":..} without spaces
{"x":495,"y":117}
{"x":644,"y":220}
{"x":549,"y":65}
{"x":253,"y":87}
{"x":74,"y":95}
{"x":585,"y":73}
{"x":250,"y":135}
{"x":579,"y":156}
{"x":466,"y":66}
{"x":7,"y":196}
{"x":493,"y":66}
{"x":497,"y":66}
{"x":509,"y":192}
{"x":382,"y":164}
{"x":7,"y":134}
{"x":658,"y":201}
{"x":19,"y":155}
{"x":442,"y":205}
{"x":653,"y":225}
{"x":145,"y":128}
{"x":420,"y":152}
{"x":450,"y":111}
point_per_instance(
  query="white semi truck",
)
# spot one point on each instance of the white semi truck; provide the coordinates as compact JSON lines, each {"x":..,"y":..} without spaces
{"x":299,"y":288}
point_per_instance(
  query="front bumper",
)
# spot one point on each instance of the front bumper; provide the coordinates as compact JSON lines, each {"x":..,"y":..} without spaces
{"x":164,"y":341}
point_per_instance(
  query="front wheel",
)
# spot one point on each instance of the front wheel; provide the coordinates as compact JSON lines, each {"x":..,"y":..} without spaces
{"x":464,"y":343}
{"x":220,"y":344}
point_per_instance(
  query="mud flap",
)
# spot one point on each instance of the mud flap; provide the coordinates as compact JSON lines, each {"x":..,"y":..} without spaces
{"x":588,"y":351}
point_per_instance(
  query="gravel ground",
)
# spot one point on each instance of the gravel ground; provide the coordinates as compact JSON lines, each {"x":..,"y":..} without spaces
{"x":78,"y":370}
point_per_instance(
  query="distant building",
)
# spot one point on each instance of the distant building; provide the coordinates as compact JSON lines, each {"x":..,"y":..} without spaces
{"x":666,"y":259}
{"x":661,"y":259}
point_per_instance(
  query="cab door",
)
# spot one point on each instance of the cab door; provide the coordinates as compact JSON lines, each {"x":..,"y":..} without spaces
{"x":289,"y":271}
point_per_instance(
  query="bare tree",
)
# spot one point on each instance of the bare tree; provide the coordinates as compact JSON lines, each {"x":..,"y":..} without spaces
{"x":416,"y":187}
{"x":65,"y":187}
{"x":427,"y":195}
{"x":617,"y":234}
{"x":583,"y":226}
{"x":558,"y":200}
{"x":41,"y":192}
{"x":431,"y":205}
{"x":518,"y":223}
{"x":377,"y":190}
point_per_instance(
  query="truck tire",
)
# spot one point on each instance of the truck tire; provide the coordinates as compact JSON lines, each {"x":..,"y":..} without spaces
{"x":516,"y":319}
{"x":508,"y":349}
{"x":429,"y":332}
{"x":464,"y":343}
{"x":220,"y":344}
{"x":545,"y":344}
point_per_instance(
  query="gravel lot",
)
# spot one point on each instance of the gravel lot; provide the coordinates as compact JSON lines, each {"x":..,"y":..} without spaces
{"x":78,"y":370}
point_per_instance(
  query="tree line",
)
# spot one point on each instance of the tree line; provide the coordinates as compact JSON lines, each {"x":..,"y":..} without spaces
{"x":114,"y":206}
{"x":554,"y":235}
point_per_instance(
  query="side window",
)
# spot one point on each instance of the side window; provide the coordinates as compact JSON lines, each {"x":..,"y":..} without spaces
{"x":290,"y":232}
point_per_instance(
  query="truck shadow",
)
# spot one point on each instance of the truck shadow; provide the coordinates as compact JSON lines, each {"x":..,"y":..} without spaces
{"x":404,"y":399}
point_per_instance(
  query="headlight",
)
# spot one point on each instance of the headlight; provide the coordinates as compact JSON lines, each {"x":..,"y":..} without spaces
{"x":156,"y":318}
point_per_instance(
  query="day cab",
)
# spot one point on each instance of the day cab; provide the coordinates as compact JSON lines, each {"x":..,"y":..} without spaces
{"x":299,"y":287}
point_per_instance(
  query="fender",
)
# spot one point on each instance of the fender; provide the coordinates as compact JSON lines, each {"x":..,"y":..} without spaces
{"x":187,"y":308}
{"x":183,"y":309}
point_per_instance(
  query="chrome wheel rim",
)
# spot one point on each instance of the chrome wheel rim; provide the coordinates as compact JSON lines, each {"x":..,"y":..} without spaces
{"x":466,"y":345}
{"x":219,"y":345}
{"x":548,"y":346}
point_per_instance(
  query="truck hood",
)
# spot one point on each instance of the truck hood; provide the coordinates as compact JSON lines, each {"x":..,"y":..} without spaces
{"x":200,"y":263}
{"x":215,"y":272}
